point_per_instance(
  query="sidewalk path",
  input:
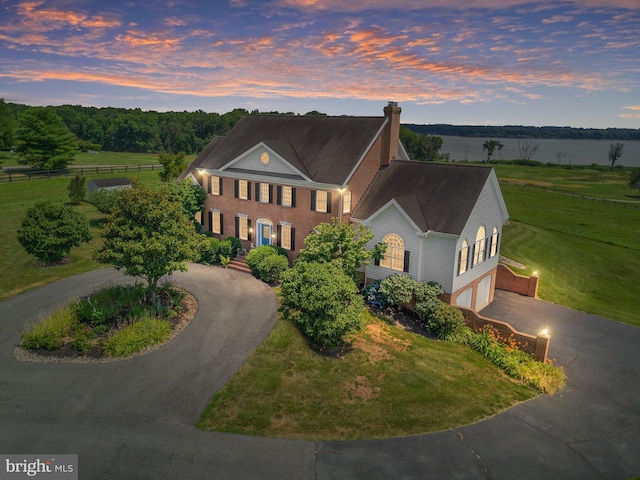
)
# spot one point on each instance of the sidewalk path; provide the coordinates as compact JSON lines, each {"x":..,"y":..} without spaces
{"x":135,"y":419}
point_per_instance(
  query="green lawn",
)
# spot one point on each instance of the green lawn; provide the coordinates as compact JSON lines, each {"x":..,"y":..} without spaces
{"x":587,"y":275}
{"x":587,"y":181}
{"x":103,"y":158}
{"x":19,"y":271}
{"x":392,"y":383}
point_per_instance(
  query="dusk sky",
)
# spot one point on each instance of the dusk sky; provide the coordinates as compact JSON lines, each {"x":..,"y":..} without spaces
{"x":478,"y":62}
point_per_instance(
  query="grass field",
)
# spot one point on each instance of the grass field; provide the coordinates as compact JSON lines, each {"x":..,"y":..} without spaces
{"x":7,"y":159}
{"x":19,"y":271}
{"x":587,"y":181}
{"x":392,"y":383}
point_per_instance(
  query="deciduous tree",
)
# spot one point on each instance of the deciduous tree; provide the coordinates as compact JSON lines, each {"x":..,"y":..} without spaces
{"x":49,"y":231}
{"x":173,"y":163}
{"x":148,"y":235}
{"x":615,"y":152}
{"x":341,"y":243}
{"x":490,"y":146}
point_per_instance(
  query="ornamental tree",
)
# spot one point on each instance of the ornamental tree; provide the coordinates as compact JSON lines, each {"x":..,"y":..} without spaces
{"x":174,"y":165}
{"x":322,"y":301}
{"x":148,"y":235}
{"x":342,"y":243}
{"x":49,"y":231}
{"x":43,"y":140}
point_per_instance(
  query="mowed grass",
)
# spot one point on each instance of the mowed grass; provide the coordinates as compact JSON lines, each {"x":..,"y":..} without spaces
{"x":392,"y":383}
{"x":587,"y":253}
{"x":8,"y":159}
{"x":20,"y":271}
{"x":580,"y":273}
{"x":586,"y":181}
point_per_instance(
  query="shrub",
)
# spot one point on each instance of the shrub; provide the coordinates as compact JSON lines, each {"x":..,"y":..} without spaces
{"x":49,"y":231}
{"x":236,"y":246}
{"x":398,"y":289}
{"x":226,"y":249}
{"x":372,"y":296}
{"x":77,"y":190}
{"x":427,"y":302}
{"x":446,"y":322}
{"x":51,"y":332}
{"x":209,"y":254}
{"x":322,"y":301}
{"x":134,"y":338}
{"x":267,"y":263}
{"x":104,"y":200}
{"x":271,"y":268}
{"x":544,"y":377}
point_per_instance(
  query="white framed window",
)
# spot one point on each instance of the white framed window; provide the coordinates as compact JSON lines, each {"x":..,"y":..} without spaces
{"x":286,"y":196}
{"x":264,"y":193}
{"x":285,"y":236}
{"x":216,"y":221}
{"x":464,"y":258}
{"x":215,"y":185}
{"x":494,"y":243}
{"x":242,"y":230}
{"x":346,"y":202}
{"x":480,"y":246}
{"x":243,"y":189}
{"x":394,"y":256}
{"x":321,"y":201}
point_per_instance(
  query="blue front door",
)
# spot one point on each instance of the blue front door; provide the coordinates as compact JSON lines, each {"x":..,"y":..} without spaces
{"x":265,"y":232}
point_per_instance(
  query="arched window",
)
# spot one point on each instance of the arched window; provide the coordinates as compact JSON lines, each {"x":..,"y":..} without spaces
{"x":494,"y":243}
{"x":395,"y":255}
{"x":480,"y":245}
{"x":464,"y":257}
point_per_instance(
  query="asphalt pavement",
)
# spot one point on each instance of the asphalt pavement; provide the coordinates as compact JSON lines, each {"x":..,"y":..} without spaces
{"x":134,"y":419}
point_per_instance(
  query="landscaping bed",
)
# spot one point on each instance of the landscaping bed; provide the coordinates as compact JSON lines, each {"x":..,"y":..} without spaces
{"x":116,"y":322}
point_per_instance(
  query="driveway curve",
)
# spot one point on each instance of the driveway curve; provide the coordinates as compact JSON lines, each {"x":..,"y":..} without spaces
{"x":135,"y":418}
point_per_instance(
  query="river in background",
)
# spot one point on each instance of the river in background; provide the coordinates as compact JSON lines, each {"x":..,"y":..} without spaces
{"x":579,"y":152}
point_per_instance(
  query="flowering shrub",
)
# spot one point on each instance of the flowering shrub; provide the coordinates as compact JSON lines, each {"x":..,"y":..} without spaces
{"x":373,"y":298}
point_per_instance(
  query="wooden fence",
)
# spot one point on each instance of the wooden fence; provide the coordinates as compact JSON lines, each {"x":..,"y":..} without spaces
{"x":8,"y":176}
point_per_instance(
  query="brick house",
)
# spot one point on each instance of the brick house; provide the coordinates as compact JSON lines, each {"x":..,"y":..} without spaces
{"x":273,"y":178}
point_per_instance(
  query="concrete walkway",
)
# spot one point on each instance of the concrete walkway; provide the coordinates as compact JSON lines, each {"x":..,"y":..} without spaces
{"x":135,"y":418}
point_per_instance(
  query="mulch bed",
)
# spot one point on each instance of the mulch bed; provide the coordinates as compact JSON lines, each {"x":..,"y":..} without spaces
{"x":67,"y":353}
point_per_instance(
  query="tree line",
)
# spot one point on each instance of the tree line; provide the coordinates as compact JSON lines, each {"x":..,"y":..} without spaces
{"x":520,"y":131}
{"x":127,"y":130}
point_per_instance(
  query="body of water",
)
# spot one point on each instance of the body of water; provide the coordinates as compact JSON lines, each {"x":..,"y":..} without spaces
{"x":578,"y":152}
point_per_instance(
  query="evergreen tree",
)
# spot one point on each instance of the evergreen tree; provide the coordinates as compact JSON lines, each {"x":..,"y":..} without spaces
{"x":43,"y":140}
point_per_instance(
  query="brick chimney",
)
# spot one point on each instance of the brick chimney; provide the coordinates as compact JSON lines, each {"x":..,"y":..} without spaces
{"x":391,"y":135}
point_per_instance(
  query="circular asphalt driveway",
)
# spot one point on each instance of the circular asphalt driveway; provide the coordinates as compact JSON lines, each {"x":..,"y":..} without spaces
{"x":135,"y":418}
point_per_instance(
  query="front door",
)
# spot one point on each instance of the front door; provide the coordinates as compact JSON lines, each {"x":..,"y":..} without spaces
{"x":265,"y":232}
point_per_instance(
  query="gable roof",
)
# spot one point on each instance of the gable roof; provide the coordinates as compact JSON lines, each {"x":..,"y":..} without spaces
{"x":326,"y":148}
{"x":437,"y":197}
{"x":200,"y":158}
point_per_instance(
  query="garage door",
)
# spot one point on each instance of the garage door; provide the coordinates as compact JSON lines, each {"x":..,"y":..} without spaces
{"x":484,"y":289}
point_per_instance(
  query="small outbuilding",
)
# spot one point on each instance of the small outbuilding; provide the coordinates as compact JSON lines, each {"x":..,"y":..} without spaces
{"x":107,"y":184}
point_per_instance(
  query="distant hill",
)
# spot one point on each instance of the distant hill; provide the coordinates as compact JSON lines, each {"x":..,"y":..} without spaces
{"x":520,"y":131}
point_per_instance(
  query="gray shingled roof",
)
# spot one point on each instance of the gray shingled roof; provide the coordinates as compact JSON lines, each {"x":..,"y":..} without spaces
{"x":324,"y":148}
{"x":436,"y":196}
{"x":200,"y":158}
{"x":110,"y":182}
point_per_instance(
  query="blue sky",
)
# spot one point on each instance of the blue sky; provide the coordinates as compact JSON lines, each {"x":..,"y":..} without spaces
{"x":479,"y":62}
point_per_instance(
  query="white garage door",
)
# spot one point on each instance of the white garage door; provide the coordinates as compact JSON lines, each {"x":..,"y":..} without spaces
{"x":464,"y":299}
{"x":482,"y":298}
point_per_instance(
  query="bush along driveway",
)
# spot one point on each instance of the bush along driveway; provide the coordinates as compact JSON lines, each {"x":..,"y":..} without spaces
{"x":135,"y":418}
